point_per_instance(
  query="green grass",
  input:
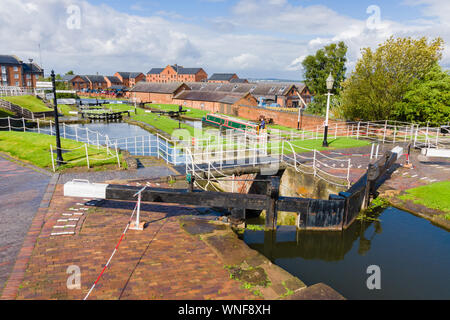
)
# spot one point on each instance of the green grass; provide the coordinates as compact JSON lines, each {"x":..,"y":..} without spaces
{"x":28,"y":102}
{"x":5,"y":113}
{"x":433,"y":196}
{"x":160,"y":122}
{"x":34,"y":148}
{"x":65,"y":109}
{"x":192,"y":113}
{"x":117,"y":107}
{"x":338,"y":143}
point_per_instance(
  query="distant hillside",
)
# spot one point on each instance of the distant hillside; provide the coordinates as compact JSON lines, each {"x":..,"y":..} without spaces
{"x":273,"y":80}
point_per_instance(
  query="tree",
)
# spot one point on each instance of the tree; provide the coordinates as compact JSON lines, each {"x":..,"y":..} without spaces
{"x":427,"y":99}
{"x":69,"y":73}
{"x":381,"y":78}
{"x":331,"y":58}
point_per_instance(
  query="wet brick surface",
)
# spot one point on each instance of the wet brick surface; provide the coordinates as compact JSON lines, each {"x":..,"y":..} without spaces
{"x":21,"y":192}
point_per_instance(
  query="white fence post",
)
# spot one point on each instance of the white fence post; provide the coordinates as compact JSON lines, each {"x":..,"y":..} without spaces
{"x":157,"y":144}
{"x":9,"y":123}
{"x":87,"y":155}
{"x":117,"y":155}
{"x":348,"y":171}
{"x":23,"y":123}
{"x":314,"y":163}
{"x":174,"y":154}
{"x":53,"y":161}
{"x":357,"y":130}
{"x":167,"y":151}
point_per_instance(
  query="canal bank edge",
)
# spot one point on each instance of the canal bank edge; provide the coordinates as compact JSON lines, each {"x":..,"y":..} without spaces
{"x":434,"y":216}
{"x":257,"y":273}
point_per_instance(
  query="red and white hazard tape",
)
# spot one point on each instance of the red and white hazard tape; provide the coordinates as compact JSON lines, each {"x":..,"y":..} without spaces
{"x":113,"y":253}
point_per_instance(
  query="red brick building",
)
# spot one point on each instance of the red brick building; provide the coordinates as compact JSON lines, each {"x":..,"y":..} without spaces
{"x":222,"y":102}
{"x":285,"y":94}
{"x":14,"y":72}
{"x":112,"y":81}
{"x":96,"y":82}
{"x":151,"y":92}
{"x":176,"y":73}
{"x":130,"y":79}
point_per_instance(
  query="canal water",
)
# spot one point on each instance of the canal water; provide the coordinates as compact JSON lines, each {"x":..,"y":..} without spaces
{"x":128,"y":137}
{"x":413,"y":256}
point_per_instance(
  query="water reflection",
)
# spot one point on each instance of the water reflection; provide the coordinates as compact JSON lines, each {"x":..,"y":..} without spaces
{"x":287,"y":242}
{"x":413,"y":255}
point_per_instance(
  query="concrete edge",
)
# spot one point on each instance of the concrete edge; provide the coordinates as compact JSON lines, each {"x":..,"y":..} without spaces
{"x":25,"y":164}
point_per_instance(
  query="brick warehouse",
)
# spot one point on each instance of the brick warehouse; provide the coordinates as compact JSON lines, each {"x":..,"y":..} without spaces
{"x":14,"y":72}
{"x":176,"y":73}
{"x":285,"y":94}
{"x":222,"y":102}
{"x":130,"y":79}
{"x":151,"y":92}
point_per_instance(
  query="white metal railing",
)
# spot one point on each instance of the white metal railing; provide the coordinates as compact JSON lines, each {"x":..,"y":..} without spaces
{"x":6,"y":91}
{"x":232,"y":149}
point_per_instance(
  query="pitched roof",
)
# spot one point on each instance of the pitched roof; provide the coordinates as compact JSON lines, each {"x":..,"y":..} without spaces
{"x":222,"y":76}
{"x":8,"y":59}
{"x":155,"y":71}
{"x":128,"y":75}
{"x":256,"y":89}
{"x":178,"y":69}
{"x":95,"y":78}
{"x":155,"y":87}
{"x":113,"y":79}
{"x":68,"y":77}
{"x":118,"y":87}
{"x":223,"y":97}
{"x":31,"y":68}
{"x":182,"y":70}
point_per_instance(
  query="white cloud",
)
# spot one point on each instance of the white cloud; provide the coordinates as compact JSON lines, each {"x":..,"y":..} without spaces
{"x":260,"y":38}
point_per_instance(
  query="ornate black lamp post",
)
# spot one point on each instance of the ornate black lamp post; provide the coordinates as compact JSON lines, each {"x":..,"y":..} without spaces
{"x":59,"y":158}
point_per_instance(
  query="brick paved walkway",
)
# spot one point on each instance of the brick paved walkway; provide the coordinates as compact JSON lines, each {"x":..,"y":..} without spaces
{"x":161,"y":262}
{"x":21,"y":192}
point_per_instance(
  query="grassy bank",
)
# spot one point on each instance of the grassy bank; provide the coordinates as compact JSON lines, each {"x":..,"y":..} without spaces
{"x":34,"y":148}
{"x":434,"y":196}
{"x":28,"y":102}
{"x":5,"y":113}
{"x":192,"y":113}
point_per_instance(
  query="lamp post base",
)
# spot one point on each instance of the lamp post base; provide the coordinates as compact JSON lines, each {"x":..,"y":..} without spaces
{"x":325,"y":141}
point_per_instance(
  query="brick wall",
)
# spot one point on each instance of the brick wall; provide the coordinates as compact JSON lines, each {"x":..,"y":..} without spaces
{"x":164,"y":98}
{"x":288,"y":119}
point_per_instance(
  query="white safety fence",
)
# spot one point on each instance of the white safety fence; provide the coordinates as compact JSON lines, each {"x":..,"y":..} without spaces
{"x":7,"y":91}
{"x":386,"y":131}
{"x":220,"y":150}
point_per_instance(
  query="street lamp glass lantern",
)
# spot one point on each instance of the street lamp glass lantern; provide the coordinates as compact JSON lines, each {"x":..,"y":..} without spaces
{"x":330,"y":82}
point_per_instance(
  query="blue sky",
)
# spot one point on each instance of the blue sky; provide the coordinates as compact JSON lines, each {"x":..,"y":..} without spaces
{"x":254,"y":38}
